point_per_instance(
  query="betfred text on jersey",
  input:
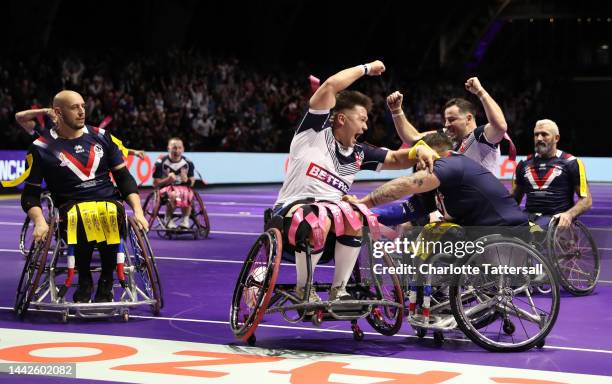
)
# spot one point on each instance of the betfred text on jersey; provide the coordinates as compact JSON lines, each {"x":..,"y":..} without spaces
{"x":320,"y":173}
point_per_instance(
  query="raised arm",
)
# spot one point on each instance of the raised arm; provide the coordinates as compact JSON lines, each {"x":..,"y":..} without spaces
{"x":27,"y":119}
{"x":325,"y":96}
{"x":496,"y":126}
{"x":406,"y":131}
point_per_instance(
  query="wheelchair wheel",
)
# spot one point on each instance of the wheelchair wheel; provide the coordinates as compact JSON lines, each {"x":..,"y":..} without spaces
{"x":386,"y":320}
{"x":575,"y":257}
{"x":474,"y":296}
{"x":255,"y":284}
{"x":25,"y":237}
{"x":200,"y":217}
{"x":146,"y":274}
{"x":150,"y":207}
{"x":33,"y":269}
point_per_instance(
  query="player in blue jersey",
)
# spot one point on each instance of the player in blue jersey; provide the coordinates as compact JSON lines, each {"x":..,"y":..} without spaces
{"x":174,"y":175}
{"x":76,"y":160}
{"x":35,"y":120}
{"x":550,"y":178}
{"x":466,"y":192}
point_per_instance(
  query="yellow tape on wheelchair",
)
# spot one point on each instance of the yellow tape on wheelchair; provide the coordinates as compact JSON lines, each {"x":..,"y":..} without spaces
{"x":432,"y":232}
{"x":99,"y":221}
{"x":20,"y":179}
{"x":583,"y":184}
{"x":72,"y":225}
{"x":113,"y":224}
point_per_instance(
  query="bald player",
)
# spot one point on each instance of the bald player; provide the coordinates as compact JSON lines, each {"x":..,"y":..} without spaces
{"x":76,"y":160}
{"x":550,"y":177}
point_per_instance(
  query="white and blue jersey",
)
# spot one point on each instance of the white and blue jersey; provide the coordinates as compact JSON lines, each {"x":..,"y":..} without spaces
{"x":319,"y":167}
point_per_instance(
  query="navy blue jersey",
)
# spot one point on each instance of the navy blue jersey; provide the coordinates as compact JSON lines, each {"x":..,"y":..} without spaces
{"x":164,"y":165}
{"x":75,"y":169}
{"x":549,"y":183}
{"x":472,"y":195}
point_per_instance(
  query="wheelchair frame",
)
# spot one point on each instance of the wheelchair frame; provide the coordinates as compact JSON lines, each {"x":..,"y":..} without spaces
{"x":496,"y":305}
{"x":200,"y":224}
{"x":383,"y":313}
{"x":142,"y":285}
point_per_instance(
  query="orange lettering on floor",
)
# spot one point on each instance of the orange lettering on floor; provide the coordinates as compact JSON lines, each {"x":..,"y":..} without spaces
{"x":178,"y":367}
{"x":23,"y":353}
{"x":514,"y":380}
{"x":320,"y":372}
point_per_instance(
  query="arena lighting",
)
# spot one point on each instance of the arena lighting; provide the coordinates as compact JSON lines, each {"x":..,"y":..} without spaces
{"x":604,"y":46}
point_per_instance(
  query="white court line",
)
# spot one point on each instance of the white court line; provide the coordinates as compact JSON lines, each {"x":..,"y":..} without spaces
{"x":291,"y":327}
{"x":245,"y":214}
{"x":229,"y":261}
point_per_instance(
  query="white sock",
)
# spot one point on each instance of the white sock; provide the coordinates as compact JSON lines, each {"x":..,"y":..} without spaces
{"x":345,"y":258}
{"x":300,"y":266}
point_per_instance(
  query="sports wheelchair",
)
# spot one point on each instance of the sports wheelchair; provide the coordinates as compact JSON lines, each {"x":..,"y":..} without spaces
{"x":26,"y":237}
{"x":41,"y":286}
{"x":497,"y":311}
{"x":573,"y":254}
{"x":154,"y":208}
{"x":258,"y":293}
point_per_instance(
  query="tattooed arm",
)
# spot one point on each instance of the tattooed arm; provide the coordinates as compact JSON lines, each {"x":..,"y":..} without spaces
{"x":418,"y":182}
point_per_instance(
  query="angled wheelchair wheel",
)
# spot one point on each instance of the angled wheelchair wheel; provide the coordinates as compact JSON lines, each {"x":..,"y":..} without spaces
{"x":26,"y":240}
{"x":496,"y":310}
{"x":255,"y":284}
{"x":33,"y":269}
{"x":146,"y":274}
{"x":151,"y":206}
{"x":387,"y":320}
{"x":575,"y":257}
{"x":200,"y":216}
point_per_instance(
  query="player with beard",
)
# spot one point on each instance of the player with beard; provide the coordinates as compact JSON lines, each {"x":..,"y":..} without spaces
{"x":550,"y":178}
{"x":76,"y":161}
{"x":478,"y":142}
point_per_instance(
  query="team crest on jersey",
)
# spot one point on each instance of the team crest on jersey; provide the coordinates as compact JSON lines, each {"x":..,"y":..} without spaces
{"x":63,"y":160}
{"x":98,"y":150}
{"x":78,"y":149}
{"x":359,"y":158}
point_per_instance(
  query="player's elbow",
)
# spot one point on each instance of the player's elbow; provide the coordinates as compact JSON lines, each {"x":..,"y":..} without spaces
{"x":502,"y":126}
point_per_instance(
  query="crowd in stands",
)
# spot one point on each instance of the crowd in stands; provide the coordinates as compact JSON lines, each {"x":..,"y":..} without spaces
{"x":223,"y":104}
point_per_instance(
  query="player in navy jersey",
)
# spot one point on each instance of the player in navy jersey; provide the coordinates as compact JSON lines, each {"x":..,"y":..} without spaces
{"x":467,"y":194}
{"x":174,"y":173}
{"x":35,"y":120}
{"x":76,"y":160}
{"x":550,"y":178}
{"x":324,"y":158}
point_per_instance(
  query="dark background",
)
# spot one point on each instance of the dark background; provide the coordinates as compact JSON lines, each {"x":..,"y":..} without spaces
{"x":558,"y":50}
